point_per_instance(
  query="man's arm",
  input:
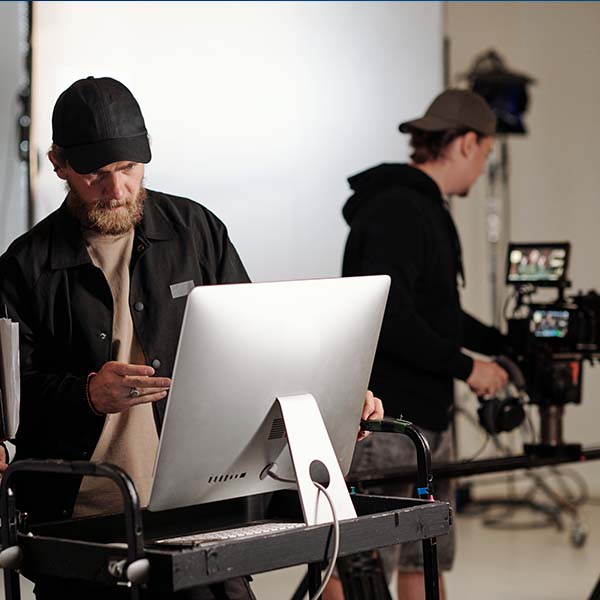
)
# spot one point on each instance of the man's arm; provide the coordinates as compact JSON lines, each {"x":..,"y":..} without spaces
{"x":54,"y":412}
{"x":482,"y":338}
{"x":487,"y":377}
{"x":394,"y":244}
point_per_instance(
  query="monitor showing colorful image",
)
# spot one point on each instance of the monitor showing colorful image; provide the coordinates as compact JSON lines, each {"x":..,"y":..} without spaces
{"x":542,"y":264}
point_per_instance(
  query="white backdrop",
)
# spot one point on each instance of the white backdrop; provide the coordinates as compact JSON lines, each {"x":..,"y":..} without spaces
{"x":260,"y":111}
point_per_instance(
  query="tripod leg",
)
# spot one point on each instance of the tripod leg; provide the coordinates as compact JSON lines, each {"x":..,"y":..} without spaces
{"x":302,"y":589}
{"x":314,"y":578}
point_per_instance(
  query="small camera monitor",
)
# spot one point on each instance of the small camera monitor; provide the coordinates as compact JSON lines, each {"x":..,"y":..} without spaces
{"x":550,"y":323}
{"x":540,"y":264}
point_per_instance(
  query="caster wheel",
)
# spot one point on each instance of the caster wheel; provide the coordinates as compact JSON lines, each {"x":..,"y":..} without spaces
{"x":578,"y":535}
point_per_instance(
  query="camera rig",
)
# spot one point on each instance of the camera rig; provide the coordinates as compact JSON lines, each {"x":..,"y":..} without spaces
{"x":549,"y":341}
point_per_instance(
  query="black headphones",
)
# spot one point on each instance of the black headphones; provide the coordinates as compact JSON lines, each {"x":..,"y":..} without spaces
{"x":504,"y":412}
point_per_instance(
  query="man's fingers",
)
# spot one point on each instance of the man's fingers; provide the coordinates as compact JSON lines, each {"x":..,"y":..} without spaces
{"x":377,"y":409}
{"x":126,"y":369}
{"x":368,"y":406}
{"x":148,"y":398}
{"x":147,"y":391}
{"x":146,"y":382}
{"x":3,"y":463}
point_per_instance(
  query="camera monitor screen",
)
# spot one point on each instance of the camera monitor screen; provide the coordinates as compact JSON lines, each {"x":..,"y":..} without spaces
{"x":543,"y":264}
{"x":241,"y":347}
{"x":549,"y":323}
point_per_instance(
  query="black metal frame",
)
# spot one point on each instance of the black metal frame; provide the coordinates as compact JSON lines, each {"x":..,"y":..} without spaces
{"x":424,"y":481}
{"x":133,"y":520}
{"x":88,"y":544}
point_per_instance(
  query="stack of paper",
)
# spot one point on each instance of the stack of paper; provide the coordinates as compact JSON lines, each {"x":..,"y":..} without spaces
{"x":10,"y":380}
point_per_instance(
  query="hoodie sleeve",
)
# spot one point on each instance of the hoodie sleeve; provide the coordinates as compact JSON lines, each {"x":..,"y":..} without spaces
{"x":393,"y":242}
{"x":483,"y":338}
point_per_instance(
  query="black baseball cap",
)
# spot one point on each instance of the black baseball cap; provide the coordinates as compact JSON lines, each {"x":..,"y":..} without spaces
{"x":455,"y":109}
{"x":97,"y":121}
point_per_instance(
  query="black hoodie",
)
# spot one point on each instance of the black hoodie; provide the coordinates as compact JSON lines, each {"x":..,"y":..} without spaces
{"x":399,"y":225}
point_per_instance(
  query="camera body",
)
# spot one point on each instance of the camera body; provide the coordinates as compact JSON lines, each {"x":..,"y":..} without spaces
{"x":549,"y":341}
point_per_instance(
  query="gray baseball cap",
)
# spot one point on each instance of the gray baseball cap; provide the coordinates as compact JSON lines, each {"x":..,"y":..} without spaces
{"x":455,"y":109}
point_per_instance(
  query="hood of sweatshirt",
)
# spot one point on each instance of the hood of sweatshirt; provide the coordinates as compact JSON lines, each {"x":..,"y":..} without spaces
{"x":375,"y":180}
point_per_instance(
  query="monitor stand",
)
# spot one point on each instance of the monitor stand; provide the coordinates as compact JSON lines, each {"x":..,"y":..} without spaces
{"x":314,"y":459}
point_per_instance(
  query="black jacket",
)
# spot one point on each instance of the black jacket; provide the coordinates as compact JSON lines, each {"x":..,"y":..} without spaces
{"x":400,"y":226}
{"x":64,"y":308}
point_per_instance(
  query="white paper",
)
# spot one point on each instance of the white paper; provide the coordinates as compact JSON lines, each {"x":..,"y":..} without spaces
{"x":10,"y":379}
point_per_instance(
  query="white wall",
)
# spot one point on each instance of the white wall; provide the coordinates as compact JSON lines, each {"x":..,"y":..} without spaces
{"x":258,"y":110}
{"x":555,"y":179}
{"x":12,"y":70}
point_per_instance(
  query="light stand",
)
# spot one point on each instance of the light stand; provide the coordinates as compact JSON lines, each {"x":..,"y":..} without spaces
{"x":497,"y":222}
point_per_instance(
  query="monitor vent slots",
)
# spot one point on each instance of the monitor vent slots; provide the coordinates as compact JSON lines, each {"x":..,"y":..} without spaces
{"x":225,"y":477}
{"x":277,"y":429}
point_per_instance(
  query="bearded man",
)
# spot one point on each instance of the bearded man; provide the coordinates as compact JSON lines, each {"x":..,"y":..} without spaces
{"x":98,"y":288}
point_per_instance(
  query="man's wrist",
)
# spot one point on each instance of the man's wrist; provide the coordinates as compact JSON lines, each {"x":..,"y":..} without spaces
{"x":88,"y":396}
{"x":462,"y":366}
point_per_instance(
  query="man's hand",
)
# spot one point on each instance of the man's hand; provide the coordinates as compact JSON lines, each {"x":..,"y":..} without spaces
{"x":3,"y":463}
{"x":487,"y":378}
{"x":110,"y":388}
{"x":372,"y":410}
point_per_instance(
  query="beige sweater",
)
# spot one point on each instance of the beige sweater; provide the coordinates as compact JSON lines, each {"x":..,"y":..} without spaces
{"x":129,"y":439}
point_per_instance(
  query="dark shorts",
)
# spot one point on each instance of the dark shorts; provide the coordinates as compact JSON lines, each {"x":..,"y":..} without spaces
{"x":66,"y":589}
{"x":390,"y":450}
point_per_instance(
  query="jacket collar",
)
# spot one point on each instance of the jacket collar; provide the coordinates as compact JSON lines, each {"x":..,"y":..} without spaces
{"x":154,"y":224}
{"x":68,"y":247}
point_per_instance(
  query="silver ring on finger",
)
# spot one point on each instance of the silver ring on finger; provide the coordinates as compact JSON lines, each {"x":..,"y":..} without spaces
{"x":134,"y":392}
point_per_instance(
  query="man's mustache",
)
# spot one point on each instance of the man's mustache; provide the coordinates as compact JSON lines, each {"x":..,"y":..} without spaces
{"x":111,"y":203}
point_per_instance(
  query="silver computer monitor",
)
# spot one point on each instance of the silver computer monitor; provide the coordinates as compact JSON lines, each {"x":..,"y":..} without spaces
{"x":244,"y":345}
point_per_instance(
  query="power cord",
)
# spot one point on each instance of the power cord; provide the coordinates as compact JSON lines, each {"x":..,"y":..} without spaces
{"x":336,"y":532}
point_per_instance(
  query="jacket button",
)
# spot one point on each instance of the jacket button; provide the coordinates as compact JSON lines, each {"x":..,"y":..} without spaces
{"x":140,"y":247}
{"x":64,"y":513}
{"x":85,"y":454}
{"x":156,"y":363}
{"x":102,"y":335}
{"x":139,"y":306}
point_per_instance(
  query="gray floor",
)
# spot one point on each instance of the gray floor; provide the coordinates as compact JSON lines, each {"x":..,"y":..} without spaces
{"x":493,"y":565}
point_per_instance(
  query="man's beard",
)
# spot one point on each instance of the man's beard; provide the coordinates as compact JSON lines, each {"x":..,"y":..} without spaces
{"x":103,"y":217}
